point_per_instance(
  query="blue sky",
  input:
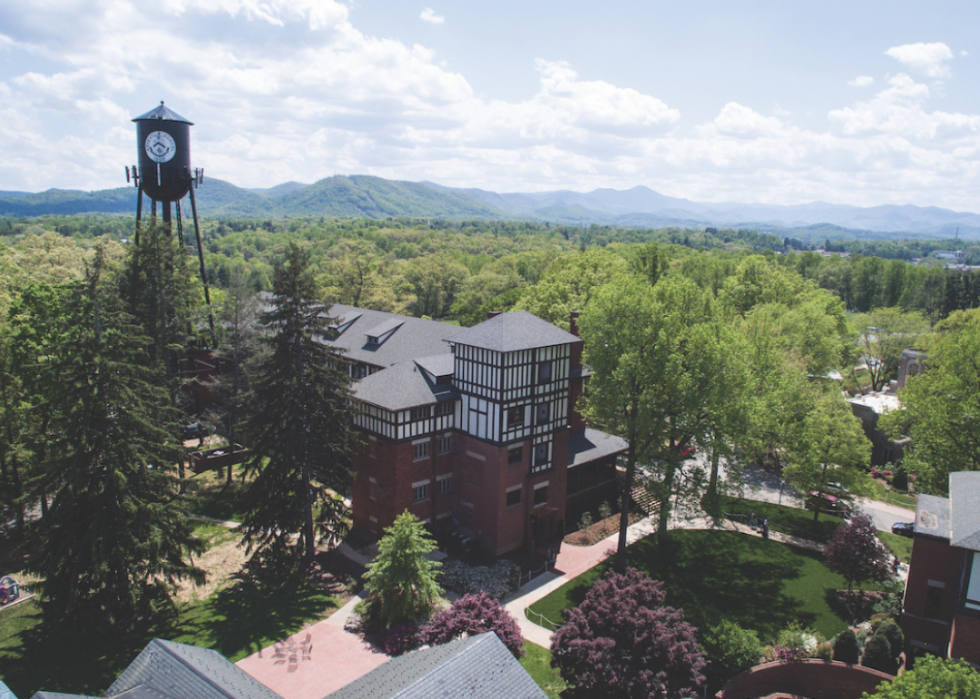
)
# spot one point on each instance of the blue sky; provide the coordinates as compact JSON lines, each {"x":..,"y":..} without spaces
{"x":861,"y":103}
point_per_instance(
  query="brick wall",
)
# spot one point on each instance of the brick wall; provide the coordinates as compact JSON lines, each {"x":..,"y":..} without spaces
{"x":933,"y":560}
{"x":818,"y":679}
{"x":965,"y":638}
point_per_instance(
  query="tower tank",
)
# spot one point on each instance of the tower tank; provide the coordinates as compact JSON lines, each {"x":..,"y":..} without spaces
{"x":163,"y":140}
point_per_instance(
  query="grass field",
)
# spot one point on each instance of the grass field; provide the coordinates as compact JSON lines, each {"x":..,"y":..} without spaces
{"x":760,"y":585}
{"x":901,"y":546}
{"x":788,"y":520}
{"x":537,"y":662}
{"x":894,"y":497}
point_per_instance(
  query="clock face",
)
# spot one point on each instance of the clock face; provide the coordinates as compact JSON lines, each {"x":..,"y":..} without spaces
{"x":160,"y":146}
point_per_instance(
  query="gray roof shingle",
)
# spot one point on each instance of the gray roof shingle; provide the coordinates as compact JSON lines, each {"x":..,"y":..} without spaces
{"x":178,"y":670}
{"x":512,"y":332}
{"x":478,"y":667}
{"x":414,"y":337}
{"x":401,"y":387}
{"x":932,"y":516}
{"x":589,"y":445}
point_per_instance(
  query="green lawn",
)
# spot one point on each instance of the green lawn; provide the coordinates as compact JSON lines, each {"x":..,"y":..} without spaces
{"x":761,"y":585}
{"x":894,"y":497}
{"x":235,"y":621}
{"x":900,"y":546}
{"x":537,"y":662}
{"x":789,"y":520}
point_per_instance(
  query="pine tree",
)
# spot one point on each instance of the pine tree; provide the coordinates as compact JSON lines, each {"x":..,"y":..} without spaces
{"x":116,"y":535}
{"x":401,"y":582}
{"x":300,"y":429}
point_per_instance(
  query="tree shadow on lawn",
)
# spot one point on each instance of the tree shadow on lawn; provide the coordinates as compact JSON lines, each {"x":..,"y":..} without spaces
{"x":236,"y":621}
{"x":247,"y":616}
{"x":720,"y":575}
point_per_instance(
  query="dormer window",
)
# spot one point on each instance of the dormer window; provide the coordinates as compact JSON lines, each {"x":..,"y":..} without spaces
{"x":378,"y":335}
{"x":340,"y":325}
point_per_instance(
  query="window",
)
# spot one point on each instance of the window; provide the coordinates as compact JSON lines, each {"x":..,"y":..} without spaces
{"x":445,"y":408}
{"x":515,"y":455}
{"x":542,"y":414}
{"x":420,"y":413}
{"x":445,"y":484}
{"x":515,"y":416}
{"x":540,"y":458}
{"x":375,"y":488}
{"x":420,"y":450}
{"x":513,"y":497}
{"x":540,"y":494}
{"x":934,"y":602}
{"x":544,"y":372}
{"x":420,"y":491}
{"x":445,"y":444}
{"x":358,"y":371}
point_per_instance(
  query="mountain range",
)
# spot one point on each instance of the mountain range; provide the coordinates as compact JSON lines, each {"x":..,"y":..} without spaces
{"x":374,"y":197}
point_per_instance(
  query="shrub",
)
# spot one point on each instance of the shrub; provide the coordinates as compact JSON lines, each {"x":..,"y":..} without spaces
{"x":730,"y":650}
{"x":605,"y":509}
{"x":800,"y":642}
{"x":933,"y":677}
{"x":471,"y":615}
{"x":900,"y":479}
{"x":401,"y":638}
{"x":846,"y":648}
{"x":878,"y":655}
{"x":878,"y":619}
{"x":585,"y":521}
{"x":891,"y":632}
{"x":824,"y":651}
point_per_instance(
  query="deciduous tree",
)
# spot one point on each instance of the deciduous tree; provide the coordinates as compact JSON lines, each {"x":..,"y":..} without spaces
{"x":623,"y":641}
{"x":932,"y":678}
{"x":855,"y":552}
{"x":471,"y":615}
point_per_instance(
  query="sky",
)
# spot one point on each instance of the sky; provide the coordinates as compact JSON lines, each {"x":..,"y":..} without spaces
{"x":849,"y":102}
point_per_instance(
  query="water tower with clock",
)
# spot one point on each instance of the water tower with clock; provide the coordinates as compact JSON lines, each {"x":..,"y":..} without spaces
{"x":165,"y":176}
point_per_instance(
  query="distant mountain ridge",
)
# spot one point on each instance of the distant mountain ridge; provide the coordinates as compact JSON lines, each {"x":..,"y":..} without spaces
{"x":375,"y":197}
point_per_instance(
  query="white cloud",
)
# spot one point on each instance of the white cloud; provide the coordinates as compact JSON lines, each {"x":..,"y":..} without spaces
{"x":738,"y":120}
{"x":927,"y":59}
{"x":861,"y":81}
{"x":429,"y":15}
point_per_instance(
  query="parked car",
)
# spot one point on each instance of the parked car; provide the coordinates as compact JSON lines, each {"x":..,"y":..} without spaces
{"x":832,"y":504}
{"x":904,"y":529}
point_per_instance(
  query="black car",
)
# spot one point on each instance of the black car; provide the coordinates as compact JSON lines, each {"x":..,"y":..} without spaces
{"x":904,"y":529}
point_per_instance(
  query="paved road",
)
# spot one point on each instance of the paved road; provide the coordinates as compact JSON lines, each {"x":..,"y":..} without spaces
{"x":768,"y":487}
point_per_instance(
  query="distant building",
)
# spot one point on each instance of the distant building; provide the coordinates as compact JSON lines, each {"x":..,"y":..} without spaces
{"x":473,"y":430}
{"x":941,"y":611}
{"x":478,"y":667}
{"x":912,"y":363}
{"x":868,"y":408}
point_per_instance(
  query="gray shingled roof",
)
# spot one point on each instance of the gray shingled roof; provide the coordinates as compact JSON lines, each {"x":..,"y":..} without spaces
{"x":439,"y":365}
{"x":52,"y":695}
{"x":414,"y":338}
{"x":401,"y":387}
{"x":589,"y":445}
{"x":180,"y":671}
{"x":932,"y":516}
{"x":964,"y":495}
{"x":511,"y":332}
{"x":478,"y":667}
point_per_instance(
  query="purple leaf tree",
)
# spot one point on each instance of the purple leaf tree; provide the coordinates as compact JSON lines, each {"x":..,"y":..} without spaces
{"x":623,"y":641}
{"x":855,"y":552}
{"x":471,"y":615}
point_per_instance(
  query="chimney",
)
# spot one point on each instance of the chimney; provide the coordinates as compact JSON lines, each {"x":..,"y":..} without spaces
{"x":573,"y":323}
{"x":493,"y":314}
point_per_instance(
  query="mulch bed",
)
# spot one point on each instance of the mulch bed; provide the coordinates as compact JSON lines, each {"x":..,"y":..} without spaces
{"x":598,"y":531}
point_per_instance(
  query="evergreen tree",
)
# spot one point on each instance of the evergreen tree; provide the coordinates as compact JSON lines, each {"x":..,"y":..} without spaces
{"x":401,"y":582}
{"x":116,"y":535}
{"x":300,"y":429}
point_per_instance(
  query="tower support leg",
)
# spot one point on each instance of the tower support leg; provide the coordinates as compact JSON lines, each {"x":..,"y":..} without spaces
{"x":139,"y":212}
{"x":204,"y":275}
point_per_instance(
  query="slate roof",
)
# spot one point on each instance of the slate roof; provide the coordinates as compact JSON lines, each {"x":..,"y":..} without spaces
{"x":162,"y":113}
{"x":478,"y":667}
{"x":589,"y":445}
{"x":511,"y":332}
{"x":414,"y":337}
{"x":439,"y":366}
{"x":964,"y":494}
{"x":932,"y":516}
{"x":51,"y":695}
{"x":180,"y":671}
{"x":401,"y":387}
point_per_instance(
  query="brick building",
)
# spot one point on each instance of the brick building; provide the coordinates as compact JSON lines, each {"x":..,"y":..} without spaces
{"x":473,"y":430}
{"x":941,"y":612}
